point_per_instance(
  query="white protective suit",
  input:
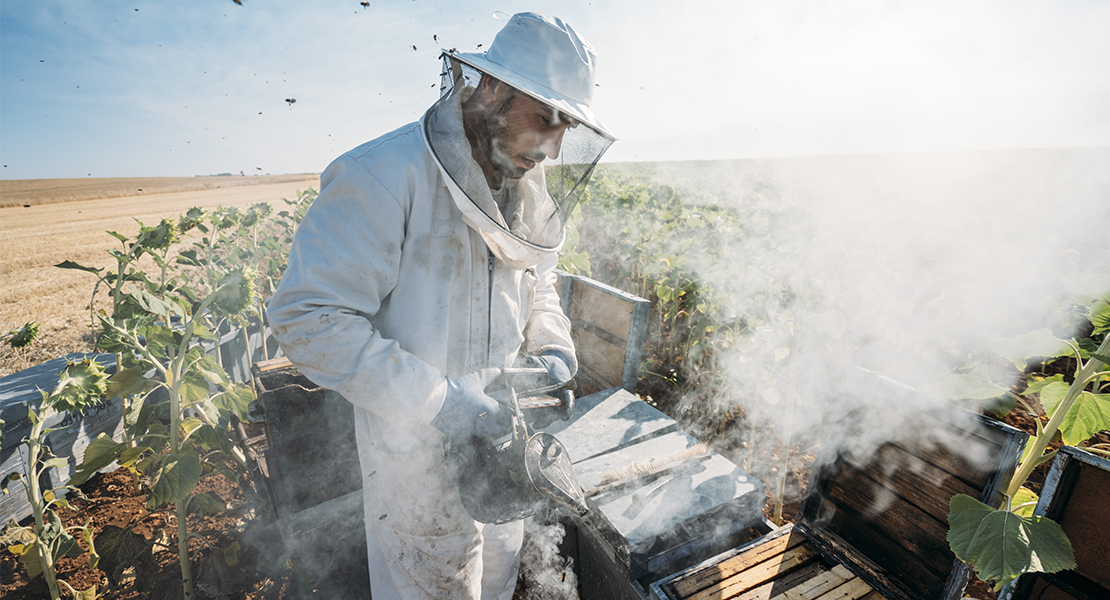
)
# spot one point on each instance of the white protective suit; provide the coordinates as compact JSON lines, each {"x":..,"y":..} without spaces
{"x":388,"y":290}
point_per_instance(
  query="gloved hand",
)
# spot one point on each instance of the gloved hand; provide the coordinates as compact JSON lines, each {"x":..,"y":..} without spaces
{"x":556,"y":364}
{"x":468,"y":412}
{"x":558,"y":367}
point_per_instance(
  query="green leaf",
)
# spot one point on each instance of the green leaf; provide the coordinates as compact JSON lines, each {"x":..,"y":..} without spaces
{"x":69,"y":264}
{"x":56,"y":463}
{"x":975,"y":385}
{"x":1038,"y":385}
{"x":128,"y":382}
{"x":1001,"y":545}
{"x":151,"y":303}
{"x":120,"y":550}
{"x":206,"y":504}
{"x":237,"y":399}
{"x":1089,"y":414}
{"x":1041,"y":343}
{"x":94,"y":558}
{"x":99,"y":454}
{"x":1085,"y":288}
{"x":1024,"y":502}
{"x":129,"y":456}
{"x":174,"y":479}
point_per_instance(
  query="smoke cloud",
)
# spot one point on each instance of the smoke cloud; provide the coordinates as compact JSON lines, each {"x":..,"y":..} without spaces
{"x":905,"y":265}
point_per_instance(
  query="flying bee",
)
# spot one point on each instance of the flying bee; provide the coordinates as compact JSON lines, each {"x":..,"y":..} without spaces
{"x":364,"y":4}
{"x":291,"y":101}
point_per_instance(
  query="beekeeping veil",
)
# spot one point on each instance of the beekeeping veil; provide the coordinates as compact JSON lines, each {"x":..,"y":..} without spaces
{"x":541,"y":57}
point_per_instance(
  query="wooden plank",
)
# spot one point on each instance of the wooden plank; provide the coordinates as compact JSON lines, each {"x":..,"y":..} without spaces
{"x":853,"y":589}
{"x":606,"y":361}
{"x":782,"y":583}
{"x":812,"y":588}
{"x":606,"y":311}
{"x":307,"y":472}
{"x":863,"y":546}
{"x":273,"y":364}
{"x":712,"y":574}
{"x":14,"y":505}
{"x":918,"y":536}
{"x":971,"y":456}
{"x":915,"y":480}
{"x":763,"y":572}
{"x":1077,"y":496}
{"x":634,"y":346}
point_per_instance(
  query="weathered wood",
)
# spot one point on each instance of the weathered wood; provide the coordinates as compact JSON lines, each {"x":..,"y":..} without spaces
{"x":909,"y":476}
{"x":773,"y":567}
{"x":775,"y":543}
{"x":882,"y":558}
{"x":883,"y":516}
{"x":1076,"y":495}
{"x":783,"y":583}
{"x":919,"y":536}
{"x":605,"y":311}
{"x":19,"y":392}
{"x":601,"y":362}
{"x":308,"y":473}
{"x":609,"y":316}
{"x":814,"y":587}
{"x":853,"y":589}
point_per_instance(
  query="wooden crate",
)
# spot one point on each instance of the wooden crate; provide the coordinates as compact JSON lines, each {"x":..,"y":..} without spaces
{"x":1076,"y":495}
{"x":656,"y":523}
{"x":871,"y":526}
{"x":608,"y":326}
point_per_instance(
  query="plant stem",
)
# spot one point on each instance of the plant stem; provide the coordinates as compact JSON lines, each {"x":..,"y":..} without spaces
{"x":1085,"y":376}
{"x":46,"y":555}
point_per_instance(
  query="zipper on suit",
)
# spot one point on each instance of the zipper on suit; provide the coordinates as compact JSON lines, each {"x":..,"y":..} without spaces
{"x":489,"y":310}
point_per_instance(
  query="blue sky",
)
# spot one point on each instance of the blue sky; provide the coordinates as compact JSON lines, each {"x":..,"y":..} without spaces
{"x":160,"y":88}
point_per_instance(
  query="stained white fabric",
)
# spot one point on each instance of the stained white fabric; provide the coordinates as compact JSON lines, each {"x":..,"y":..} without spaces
{"x":387,"y":291}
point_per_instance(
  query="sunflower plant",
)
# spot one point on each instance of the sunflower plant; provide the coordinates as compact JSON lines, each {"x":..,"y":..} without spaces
{"x":39,"y":546}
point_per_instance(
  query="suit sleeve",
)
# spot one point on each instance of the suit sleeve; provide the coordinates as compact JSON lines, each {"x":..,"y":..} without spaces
{"x":343,"y":262}
{"x":548,"y":328}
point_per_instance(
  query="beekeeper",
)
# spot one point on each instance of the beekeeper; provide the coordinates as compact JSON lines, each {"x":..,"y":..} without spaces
{"x":424,"y":267}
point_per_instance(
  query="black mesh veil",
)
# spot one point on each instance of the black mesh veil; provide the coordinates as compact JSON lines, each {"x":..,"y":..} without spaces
{"x":534,"y":208}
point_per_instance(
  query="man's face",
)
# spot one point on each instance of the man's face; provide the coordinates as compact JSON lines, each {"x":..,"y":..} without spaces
{"x":520,"y":133}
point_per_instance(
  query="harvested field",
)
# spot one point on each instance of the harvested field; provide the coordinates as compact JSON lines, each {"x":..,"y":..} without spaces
{"x":32,"y":192}
{"x":34,"y":239}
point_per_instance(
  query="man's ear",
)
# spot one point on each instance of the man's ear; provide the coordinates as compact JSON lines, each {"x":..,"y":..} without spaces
{"x":493,"y":90}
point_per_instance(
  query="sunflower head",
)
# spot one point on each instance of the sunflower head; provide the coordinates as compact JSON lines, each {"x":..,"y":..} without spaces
{"x":235,"y":292}
{"x":80,"y":384}
{"x":158,"y":237}
{"x":193,"y":217}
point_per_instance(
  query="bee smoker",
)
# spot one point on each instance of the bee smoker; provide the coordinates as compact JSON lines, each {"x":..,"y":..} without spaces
{"x":511,"y":479}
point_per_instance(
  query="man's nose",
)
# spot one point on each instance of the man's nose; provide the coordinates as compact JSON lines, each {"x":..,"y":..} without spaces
{"x":551,"y":143}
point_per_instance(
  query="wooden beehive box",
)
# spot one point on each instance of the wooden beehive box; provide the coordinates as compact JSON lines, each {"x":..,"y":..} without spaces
{"x":1076,"y":495}
{"x":608,"y":326}
{"x":657,"y":522}
{"x":312,"y":468}
{"x":871,"y":526}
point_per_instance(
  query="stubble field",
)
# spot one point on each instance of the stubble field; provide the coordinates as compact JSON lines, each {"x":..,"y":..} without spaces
{"x":34,"y":238}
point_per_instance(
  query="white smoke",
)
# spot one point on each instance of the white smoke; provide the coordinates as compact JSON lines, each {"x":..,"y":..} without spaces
{"x":544,"y":573}
{"x":905,"y":265}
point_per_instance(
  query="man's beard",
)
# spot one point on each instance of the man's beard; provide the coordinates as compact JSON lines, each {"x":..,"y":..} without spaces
{"x":491,"y":129}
